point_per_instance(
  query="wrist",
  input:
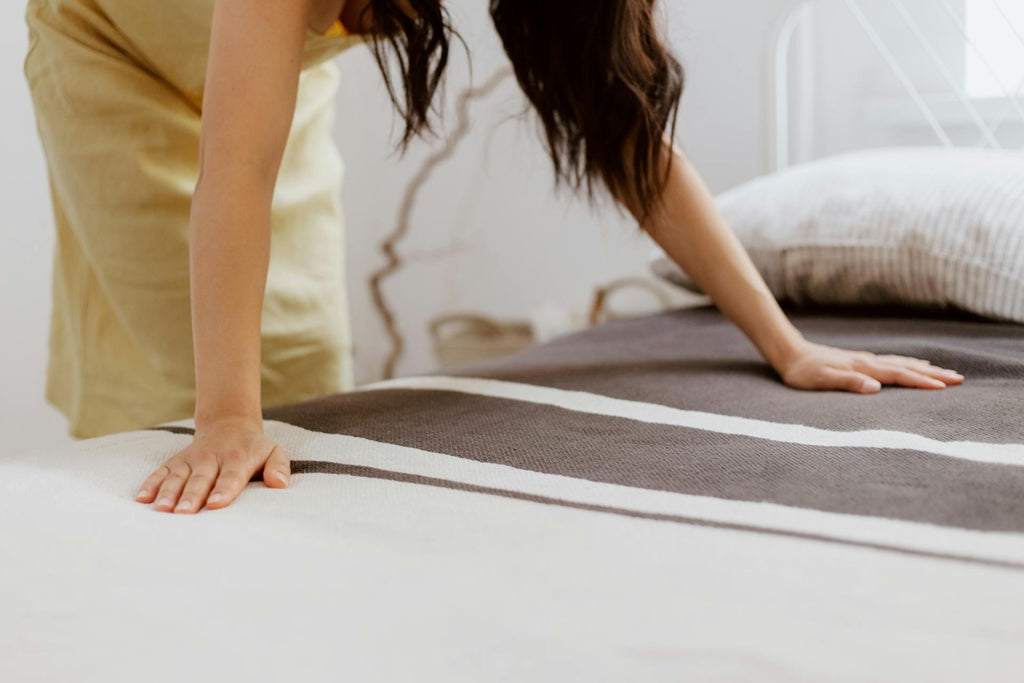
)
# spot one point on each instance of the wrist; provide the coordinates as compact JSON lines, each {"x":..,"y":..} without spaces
{"x":242,"y":405}
{"x":783,"y":349}
{"x":246,"y":420}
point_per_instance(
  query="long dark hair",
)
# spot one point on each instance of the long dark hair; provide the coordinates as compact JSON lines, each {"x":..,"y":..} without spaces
{"x":599,"y":75}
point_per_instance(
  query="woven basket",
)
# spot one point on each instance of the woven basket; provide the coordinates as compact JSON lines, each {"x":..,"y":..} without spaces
{"x":463,"y":338}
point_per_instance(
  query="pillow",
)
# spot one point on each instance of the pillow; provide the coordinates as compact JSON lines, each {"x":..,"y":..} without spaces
{"x":921,"y":227}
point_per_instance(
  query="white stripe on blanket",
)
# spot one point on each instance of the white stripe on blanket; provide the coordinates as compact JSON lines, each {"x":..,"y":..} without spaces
{"x":927,"y":538}
{"x":1003,"y":454}
{"x":377,"y":580}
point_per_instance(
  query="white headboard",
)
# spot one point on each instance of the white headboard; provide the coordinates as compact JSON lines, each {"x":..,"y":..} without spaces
{"x":908,"y":47}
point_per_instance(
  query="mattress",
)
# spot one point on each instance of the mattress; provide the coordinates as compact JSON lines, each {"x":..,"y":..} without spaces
{"x":640,"y":501}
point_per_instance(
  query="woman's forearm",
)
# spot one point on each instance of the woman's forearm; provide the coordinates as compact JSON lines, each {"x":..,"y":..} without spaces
{"x":252,"y":81}
{"x":691,"y":230}
{"x":230,"y":249}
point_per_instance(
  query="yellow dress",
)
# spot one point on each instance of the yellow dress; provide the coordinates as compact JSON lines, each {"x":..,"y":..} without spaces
{"x":117,"y":87}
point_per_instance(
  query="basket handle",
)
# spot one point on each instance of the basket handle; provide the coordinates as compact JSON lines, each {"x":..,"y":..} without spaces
{"x":479,"y":321}
{"x":600,"y":304}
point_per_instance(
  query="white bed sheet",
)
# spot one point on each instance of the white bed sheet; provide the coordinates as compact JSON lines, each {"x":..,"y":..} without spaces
{"x":351,"y":578}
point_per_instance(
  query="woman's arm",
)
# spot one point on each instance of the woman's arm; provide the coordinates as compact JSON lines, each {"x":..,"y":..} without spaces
{"x":690,"y":229}
{"x":256,"y":49}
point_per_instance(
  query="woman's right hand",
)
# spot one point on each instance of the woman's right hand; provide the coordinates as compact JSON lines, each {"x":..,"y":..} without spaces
{"x":222,"y":458}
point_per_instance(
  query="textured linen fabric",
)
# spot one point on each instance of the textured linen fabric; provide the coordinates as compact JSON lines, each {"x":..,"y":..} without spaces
{"x":642,"y":501}
{"x":117,"y":87}
{"x":920,"y":226}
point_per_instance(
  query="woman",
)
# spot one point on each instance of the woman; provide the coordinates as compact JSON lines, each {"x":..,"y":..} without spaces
{"x":131,"y":100}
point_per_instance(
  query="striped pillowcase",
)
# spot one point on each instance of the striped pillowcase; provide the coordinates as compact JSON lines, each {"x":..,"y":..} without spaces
{"x":917,"y":226}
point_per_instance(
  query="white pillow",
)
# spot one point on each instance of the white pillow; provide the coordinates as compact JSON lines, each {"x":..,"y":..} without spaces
{"x":920,"y":226}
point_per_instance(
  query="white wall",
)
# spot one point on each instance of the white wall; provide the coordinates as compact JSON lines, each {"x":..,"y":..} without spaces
{"x":25,"y":255}
{"x":518,"y":243}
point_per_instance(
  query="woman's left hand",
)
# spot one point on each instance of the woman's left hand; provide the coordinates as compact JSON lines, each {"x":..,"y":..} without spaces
{"x":823,"y":368}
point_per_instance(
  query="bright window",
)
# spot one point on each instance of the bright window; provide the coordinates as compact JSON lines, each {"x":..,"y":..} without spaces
{"x":1000,"y":66}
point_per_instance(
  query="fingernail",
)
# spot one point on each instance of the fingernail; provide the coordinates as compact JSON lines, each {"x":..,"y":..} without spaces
{"x":281,"y":476}
{"x":184,"y":505}
{"x":164,"y":502}
{"x":871,"y":385}
{"x":215,"y":498}
{"x":142,"y":493}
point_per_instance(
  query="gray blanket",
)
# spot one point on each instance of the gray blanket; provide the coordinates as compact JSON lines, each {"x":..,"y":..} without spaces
{"x":698,"y":361}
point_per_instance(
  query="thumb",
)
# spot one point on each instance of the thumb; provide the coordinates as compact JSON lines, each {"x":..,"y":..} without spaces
{"x":277,"y":471}
{"x":856,"y":382}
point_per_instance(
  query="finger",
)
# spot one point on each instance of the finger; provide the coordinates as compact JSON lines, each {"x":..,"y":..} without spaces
{"x":903,"y":376}
{"x":904,"y":359}
{"x":233,"y":478}
{"x":850,"y":380}
{"x":925,"y":367}
{"x":198,"y":486}
{"x":277,"y":470}
{"x":948,"y":377}
{"x":170,"y":489}
{"x":147,"y":492}
{"x":918,"y":380}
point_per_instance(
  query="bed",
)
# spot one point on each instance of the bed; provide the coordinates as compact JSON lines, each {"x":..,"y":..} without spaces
{"x":639,"y":501}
